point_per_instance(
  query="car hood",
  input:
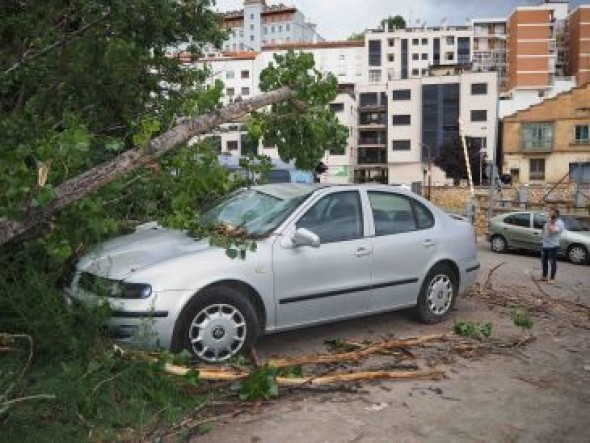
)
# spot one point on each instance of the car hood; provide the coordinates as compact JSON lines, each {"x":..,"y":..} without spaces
{"x":122,"y":256}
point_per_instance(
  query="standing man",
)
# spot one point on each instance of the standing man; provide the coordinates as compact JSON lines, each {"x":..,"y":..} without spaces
{"x":551,"y":237}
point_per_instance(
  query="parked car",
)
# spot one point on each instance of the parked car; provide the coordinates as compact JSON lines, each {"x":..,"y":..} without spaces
{"x":324,"y":253}
{"x":524,"y":230}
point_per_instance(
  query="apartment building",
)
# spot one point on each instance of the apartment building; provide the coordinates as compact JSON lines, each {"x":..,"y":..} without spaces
{"x":550,"y":141}
{"x":408,"y":53}
{"x":536,"y":42}
{"x":259,"y":24}
{"x":578,"y":38}
{"x":489,"y":47}
{"x":403,"y":124}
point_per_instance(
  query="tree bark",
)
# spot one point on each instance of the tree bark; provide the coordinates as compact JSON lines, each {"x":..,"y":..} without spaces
{"x":78,"y":187}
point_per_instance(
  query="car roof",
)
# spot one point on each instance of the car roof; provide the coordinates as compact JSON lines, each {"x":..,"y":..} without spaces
{"x":285,"y":191}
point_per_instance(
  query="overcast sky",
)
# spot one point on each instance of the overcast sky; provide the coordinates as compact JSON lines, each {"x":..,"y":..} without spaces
{"x":337,"y":19}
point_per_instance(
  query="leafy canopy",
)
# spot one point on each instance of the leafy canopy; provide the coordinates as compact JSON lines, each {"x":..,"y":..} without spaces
{"x":302,"y":128}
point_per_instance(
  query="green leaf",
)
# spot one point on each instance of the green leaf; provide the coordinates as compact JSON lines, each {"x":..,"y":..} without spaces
{"x":231,"y":253}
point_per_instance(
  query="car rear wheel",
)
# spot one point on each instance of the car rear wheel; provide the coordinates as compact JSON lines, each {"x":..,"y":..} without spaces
{"x":577,"y":254}
{"x":499,"y":244}
{"x":217,"y":324}
{"x":437,"y":295}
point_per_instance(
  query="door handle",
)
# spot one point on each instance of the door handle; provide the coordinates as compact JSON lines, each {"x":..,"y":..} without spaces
{"x":428,"y":243}
{"x":362,"y":252}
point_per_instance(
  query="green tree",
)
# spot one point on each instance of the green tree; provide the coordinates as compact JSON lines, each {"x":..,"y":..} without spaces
{"x":88,"y":94}
{"x":356,"y":36}
{"x":451,"y":160}
{"x":393,"y":22}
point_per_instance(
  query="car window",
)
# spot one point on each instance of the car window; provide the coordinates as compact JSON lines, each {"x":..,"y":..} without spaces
{"x":573,"y":224}
{"x":335,"y":217}
{"x":522,"y":219}
{"x":539,"y":221}
{"x":424,"y":217}
{"x":392,"y":213}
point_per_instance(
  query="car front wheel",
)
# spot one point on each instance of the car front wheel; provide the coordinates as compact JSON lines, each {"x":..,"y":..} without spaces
{"x":577,"y":254}
{"x":499,"y":244}
{"x":437,"y":295}
{"x":217,"y":324}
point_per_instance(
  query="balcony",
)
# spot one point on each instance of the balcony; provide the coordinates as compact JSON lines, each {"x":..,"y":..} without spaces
{"x":536,"y":146}
{"x":372,"y":138}
{"x":372,"y":156}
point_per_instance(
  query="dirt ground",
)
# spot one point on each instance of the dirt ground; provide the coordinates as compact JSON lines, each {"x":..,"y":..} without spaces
{"x":540,"y":393}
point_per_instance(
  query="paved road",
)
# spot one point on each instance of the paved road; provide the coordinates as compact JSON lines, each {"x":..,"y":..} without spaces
{"x":572,"y":281}
{"x":544,"y":396}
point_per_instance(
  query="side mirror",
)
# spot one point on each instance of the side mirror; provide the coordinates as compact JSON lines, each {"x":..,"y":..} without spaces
{"x":304,"y":237}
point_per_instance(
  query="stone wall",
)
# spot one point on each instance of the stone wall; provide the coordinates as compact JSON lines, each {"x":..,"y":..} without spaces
{"x":455,"y":199}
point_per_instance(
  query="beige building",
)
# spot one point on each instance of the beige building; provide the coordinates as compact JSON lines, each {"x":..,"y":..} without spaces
{"x":549,"y":142}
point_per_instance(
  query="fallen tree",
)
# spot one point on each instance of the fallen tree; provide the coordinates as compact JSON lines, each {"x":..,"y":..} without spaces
{"x":101,"y":175}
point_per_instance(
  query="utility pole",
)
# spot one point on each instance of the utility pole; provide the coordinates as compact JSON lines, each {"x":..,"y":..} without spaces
{"x":428,"y":189}
{"x":471,"y":205}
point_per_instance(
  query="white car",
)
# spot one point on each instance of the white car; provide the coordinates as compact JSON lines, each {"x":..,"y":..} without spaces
{"x":324,"y":253}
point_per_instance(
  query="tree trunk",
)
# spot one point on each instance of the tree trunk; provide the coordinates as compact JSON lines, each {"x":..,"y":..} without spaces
{"x":78,"y":187}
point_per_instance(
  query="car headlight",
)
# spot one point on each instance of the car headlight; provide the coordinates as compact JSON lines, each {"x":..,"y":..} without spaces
{"x":131,"y":290}
{"x":106,"y":287}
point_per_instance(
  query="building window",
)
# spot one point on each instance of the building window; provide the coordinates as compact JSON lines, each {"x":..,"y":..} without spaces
{"x":424,"y":56}
{"x":424,"y":41}
{"x":245,"y":74}
{"x":341,"y":57}
{"x":251,"y":16}
{"x":337,"y":107}
{"x":245,"y":90}
{"x":390,"y":57}
{"x":287,"y":27}
{"x":390,"y":74}
{"x":391,"y":42}
{"x":415,"y":56}
{"x":537,"y":169}
{"x":374,"y":76}
{"x":480,"y":115}
{"x":374,"y":52}
{"x":415,"y":72}
{"x":415,"y":41}
{"x":231,"y":145}
{"x":280,"y":28}
{"x":265,"y":30}
{"x":229,"y":74}
{"x":401,"y":94}
{"x":449,"y":56}
{"x":537,"y":136}
{"x":230,"y":91}
{"x":401,"y":120}
{"x":450,"y":40}
{"x":251,"y":27}
{"x":272,"y":29}
{"x":582,"y":134}
{"x":401,"y":145}
{"x":251,"y":38}
{"x":479,"y":88}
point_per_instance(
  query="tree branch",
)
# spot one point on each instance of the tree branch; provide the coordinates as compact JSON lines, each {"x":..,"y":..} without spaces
{"x":66,"y":39}
{"x":78,"y":187}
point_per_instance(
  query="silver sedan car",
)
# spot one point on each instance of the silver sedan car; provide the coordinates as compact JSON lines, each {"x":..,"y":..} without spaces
{"x":324,"y":253}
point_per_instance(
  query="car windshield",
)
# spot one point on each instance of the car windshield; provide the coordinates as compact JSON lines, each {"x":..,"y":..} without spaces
{"x":573,"y":224}
{"x":255,"y":211}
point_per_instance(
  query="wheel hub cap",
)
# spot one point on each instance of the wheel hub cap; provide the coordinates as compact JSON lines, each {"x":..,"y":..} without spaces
{"x":217,"y":332}
{"x":440,"y":294}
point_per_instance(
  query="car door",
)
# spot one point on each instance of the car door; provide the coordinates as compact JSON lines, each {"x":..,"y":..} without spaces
{"x":317,"y":284}
{"x":404,"y":244}
{"x":516,"y":228}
